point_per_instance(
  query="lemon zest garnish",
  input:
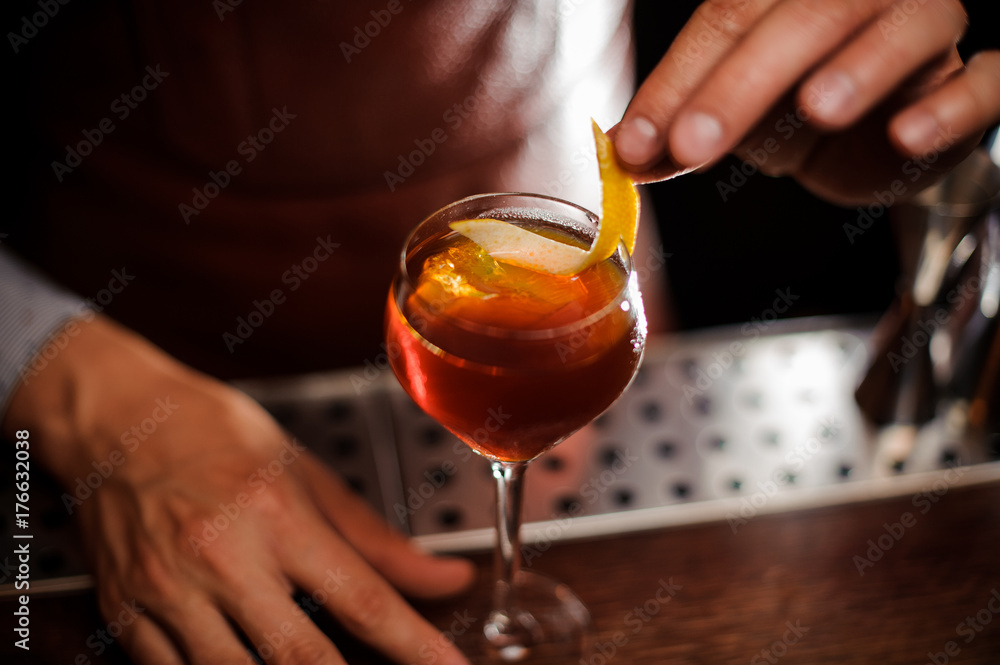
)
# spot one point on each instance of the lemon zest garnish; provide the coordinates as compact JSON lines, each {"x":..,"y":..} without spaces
{"x":619,"y":221}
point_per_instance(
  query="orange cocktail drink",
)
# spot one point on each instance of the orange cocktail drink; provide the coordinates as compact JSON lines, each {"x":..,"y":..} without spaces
{"x":515,"y":320}
{"x":509,"y":359}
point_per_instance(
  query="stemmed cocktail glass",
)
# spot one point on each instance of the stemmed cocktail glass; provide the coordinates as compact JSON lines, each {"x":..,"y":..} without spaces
{"x":512,"y":361}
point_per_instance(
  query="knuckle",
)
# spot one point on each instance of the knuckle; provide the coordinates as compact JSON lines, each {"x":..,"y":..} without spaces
{"x":307,"y":652}
{"x":204,"y":544}
{"x":190,"y":535}
{"x":366,"y":608}
{"x":948,"y":18}
{"x":272,"y":504}
{"x":956,"y":15}
{"x":109,"y":601}
{"x":988,"y":61}
{"x":219,"y":561}
{"x":150,"y":576}
{"x":725,"y":20}
{"x":823,"y":16}
{"x":984,"y":95}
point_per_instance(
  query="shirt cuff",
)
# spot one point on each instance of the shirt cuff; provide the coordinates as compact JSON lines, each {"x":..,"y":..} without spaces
{"x":33,"y":311}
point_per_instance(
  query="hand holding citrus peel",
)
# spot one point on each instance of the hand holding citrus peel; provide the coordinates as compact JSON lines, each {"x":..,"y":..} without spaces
{"x":512,"y":244}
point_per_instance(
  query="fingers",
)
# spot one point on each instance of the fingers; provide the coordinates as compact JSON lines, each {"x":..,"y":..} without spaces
{"x":965,"y":106}
{"x":408,"y":568}
{"x":145,"y":642}
{"x":203,"y":633}
{"x":278,"y":629}
{"x":782,"y":142}
{"x":335,"y":576}
{"x":880,"y":58}
{"x":759,"y":71}
{"x":843,"y":57}
{"x":714,"y":29}
{"x":174,"y":627}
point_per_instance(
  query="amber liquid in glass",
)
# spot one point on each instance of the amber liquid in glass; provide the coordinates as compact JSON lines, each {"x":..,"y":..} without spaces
{"x":511,"y":360}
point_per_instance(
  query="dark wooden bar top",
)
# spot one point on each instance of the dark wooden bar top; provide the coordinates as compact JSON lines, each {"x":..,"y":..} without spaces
{"x":784,"y":588}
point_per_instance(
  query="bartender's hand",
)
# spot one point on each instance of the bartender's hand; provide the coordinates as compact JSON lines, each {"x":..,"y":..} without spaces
{"x":210,"y":517}
{"x":847,"y":96}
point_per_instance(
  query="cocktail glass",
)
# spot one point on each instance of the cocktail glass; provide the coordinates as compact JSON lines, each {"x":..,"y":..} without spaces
{"x":513,"y":361}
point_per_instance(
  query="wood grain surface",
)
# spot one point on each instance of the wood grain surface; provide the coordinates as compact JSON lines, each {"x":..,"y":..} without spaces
{"x":783,"y":588}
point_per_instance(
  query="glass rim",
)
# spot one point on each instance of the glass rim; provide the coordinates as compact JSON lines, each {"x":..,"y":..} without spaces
{"x":615,"y":301}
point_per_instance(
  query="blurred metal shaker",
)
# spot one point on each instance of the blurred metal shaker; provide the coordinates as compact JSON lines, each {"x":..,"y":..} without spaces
{"x":940,"y":340}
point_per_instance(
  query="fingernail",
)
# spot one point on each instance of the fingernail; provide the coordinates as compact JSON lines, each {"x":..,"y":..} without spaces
{"x":831,"y":95}
{"x":696,"y":138}
{"x":917,"y":130}
{"x":637,"y":142}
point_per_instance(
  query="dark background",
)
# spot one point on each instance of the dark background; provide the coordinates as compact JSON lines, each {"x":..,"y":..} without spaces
{"x":727,"y":258}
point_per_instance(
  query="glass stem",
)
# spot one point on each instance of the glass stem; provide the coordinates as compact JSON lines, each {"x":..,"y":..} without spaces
{"x":509,"y":477}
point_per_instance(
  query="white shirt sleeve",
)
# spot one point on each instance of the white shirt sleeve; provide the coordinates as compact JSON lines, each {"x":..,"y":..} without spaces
{"x":33,"y":311}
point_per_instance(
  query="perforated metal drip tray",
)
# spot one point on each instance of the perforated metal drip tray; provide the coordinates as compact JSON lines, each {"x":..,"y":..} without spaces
{"x":719,"y":425}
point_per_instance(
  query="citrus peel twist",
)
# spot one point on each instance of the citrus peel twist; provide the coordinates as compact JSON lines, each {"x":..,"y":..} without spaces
{"x":619,"y":221}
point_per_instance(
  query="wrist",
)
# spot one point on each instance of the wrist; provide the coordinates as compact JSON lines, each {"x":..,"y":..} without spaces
{"x":84,"y":405}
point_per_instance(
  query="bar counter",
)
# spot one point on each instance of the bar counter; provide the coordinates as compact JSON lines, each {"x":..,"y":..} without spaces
{"x":784,"y":587}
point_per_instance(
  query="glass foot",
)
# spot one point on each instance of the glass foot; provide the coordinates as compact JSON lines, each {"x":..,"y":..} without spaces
{"x":546,"y":623}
